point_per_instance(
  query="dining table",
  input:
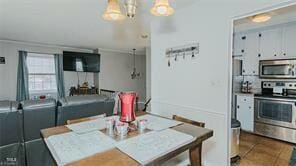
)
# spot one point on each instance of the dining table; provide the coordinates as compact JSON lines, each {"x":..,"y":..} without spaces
{"x":116,"y":157}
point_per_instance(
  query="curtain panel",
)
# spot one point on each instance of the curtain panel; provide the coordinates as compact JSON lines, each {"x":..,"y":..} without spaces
{"x":59,"y":75}
{"x":22,"y":78}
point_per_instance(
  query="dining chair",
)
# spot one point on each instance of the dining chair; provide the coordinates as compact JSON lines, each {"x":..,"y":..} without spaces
{"x":195,"y":123}
{"x":85,"y":119}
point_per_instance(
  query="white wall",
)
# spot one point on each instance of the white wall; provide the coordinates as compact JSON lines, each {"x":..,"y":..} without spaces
{"x":8,"y":71}
{"x":116,"y":70}
{"x":148,"y":77}
{"x":199,"y":89}
{"x":148,"y":73}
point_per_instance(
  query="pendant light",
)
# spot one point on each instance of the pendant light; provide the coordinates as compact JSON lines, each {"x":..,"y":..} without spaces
{"x":261,"y":18}
{"x":130,"y":7}
{"x":162,"y":8}
{"x":113,"y":12}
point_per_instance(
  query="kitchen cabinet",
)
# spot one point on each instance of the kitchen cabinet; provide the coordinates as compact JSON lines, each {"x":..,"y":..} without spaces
{"x":245,"y":111}
{"x":288,"y":41}
{"x":239,"y":44}
{"x":270,"y":44}
{"x":251,"y":58}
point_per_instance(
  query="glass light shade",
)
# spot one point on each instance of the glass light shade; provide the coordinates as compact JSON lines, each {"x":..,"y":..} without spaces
{"x":162,"y":8}
{"x":261,"y":18}
{"x":113,"y":12}
{"x":130,"y":6}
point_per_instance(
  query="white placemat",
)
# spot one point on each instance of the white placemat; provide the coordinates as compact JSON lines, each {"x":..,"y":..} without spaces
{"x":147,"y":147}
{"x":69,"y":147}
{"x":159,"y":123}
{"x":90,"y":125}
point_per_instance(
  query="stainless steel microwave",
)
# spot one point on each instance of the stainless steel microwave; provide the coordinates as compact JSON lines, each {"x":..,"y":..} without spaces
{"x":285,"y":69}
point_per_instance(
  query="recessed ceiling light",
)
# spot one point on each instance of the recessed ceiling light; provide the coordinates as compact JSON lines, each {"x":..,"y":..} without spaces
{"x":261,"y":18}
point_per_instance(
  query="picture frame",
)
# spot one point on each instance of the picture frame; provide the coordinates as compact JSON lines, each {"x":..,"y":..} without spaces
{"x":2,"y":60}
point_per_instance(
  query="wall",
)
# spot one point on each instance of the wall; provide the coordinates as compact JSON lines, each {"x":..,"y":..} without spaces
{"x":148,"y":77}
{"x":199,"y":88}
{"x":8,"y":72}
{"x":116,"y":70}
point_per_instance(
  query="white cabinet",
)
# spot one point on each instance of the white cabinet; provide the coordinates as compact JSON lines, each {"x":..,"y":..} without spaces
{"x":239,"y":44}
{"x":245,"y":111}
{"x":251,"y":58}
{"x":270,"y":43}
{"x":264,"y":44}
{"x":288,"y":41}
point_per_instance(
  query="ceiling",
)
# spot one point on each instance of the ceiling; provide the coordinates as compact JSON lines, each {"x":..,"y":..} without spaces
{"x":279,"y":16}
{"x":75,"y":23}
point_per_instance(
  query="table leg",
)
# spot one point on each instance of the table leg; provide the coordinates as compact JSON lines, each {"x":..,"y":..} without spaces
{"x":195,"y":155}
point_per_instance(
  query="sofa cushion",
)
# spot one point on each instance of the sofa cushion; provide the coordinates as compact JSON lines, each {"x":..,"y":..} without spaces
{"x":76,"y":107}
{"x":38,"y":114}
{"x":10,"y":123}
{"x":85,"y":99}
{"x":37,"y":153}
{"x":13,"y":154}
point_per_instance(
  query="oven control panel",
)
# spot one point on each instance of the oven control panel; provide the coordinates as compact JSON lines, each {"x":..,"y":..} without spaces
{"x":285,"y":85}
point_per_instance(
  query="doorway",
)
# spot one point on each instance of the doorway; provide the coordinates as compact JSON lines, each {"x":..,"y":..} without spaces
{"x":263,"y":36}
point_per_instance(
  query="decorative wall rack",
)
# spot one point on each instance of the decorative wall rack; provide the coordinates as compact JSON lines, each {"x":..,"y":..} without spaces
{"x":190,"y":50}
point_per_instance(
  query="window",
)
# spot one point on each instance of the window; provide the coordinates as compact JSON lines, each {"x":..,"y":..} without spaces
{"x":42,"y":78}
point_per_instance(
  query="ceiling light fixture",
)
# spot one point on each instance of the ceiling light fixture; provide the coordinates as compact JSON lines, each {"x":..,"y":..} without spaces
{"x":113,"y":11}
{"x":130,"y":7}
{"x":162,"y":8}
{"x":261,"y":18}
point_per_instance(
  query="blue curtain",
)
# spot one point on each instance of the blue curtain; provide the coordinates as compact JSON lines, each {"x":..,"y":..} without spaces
{"x":59,"y":75}
{"x":22,"y":78}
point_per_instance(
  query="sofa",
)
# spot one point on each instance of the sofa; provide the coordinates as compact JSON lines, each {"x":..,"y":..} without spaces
{"x":75,"y":107}
{"x":21,"y":143}
{"x":37,"y":115}
{"x":11,"y":134}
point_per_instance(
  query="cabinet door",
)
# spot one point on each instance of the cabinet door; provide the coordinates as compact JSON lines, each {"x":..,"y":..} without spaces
{"x":245,"y":112}
{"x":289,"y":40}
{"x":251,"y":57}
{"x":239,"y":44}
{"x":270,"y":44}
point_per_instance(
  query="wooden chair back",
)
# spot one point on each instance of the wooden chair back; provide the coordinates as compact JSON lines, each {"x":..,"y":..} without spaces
{"x":194,"y":154}
{"x":195,"y":123}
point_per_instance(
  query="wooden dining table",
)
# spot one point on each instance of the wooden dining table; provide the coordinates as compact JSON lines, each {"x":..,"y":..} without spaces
{"x":116,"y":157}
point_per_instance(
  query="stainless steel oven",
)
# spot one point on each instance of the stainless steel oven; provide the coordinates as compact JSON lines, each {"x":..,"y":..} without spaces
{"x":285,"y":68}
{"x":276,"y":111}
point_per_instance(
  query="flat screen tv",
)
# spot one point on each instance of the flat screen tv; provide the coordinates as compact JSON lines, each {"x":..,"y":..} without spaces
{"x":81,"y":62}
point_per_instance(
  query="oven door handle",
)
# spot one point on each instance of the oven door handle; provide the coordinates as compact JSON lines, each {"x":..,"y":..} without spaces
{"x":276,"y":99}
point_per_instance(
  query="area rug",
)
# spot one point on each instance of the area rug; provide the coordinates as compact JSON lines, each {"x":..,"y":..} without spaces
{"x":293,"y":158}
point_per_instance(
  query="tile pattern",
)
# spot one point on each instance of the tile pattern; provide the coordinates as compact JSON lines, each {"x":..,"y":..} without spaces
{"x":261,"y":151}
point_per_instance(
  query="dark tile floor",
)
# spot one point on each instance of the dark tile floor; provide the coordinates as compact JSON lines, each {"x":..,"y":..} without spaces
{"x":261,"y":151}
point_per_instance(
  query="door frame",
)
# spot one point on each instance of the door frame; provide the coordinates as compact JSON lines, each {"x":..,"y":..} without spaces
{"x":230,"y":50}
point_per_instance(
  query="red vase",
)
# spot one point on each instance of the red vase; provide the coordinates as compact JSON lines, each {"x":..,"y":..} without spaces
{"x":127,"y":100}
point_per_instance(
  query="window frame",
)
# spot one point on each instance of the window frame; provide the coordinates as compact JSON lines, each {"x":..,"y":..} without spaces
{"x":41,"y":92}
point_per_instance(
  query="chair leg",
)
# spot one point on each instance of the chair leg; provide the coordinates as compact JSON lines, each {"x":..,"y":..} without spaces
{"x":195,"y":155}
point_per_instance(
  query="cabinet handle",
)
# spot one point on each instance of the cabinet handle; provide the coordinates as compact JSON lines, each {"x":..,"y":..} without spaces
{"x":260,"y":34}
{"x":244,"y":70}
{"x":244,"y":38}
{"x":259,"y":55}
{"x":284,"y":54}
{"x":243,"y":50}
{"x":254,"y":72}
{"x":238,"y":106}
{"x":274,"y":54}
{"x":250,"y":107}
